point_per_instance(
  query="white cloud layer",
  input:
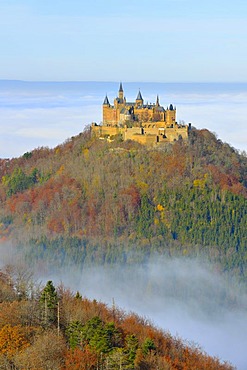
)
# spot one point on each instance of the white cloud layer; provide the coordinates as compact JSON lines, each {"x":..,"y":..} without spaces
{"x":39,"y":114}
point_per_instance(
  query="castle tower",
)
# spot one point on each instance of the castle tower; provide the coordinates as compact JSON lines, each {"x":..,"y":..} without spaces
{"x":171,"y":115}
{"x":139,"y":100}
{"x":157,"y":101}
{"x":121,"y":93}
{"x":106,"y":110}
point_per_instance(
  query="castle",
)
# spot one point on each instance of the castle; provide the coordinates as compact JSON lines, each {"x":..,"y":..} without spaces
{"x":148,"y":124}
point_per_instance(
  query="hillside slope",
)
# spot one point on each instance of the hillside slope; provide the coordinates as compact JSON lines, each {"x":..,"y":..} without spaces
{"x":53,"y":328}
{"x":91,"y":201}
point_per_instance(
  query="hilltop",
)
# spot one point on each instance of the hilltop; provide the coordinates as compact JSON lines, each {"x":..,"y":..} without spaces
{"x":91,"y":201}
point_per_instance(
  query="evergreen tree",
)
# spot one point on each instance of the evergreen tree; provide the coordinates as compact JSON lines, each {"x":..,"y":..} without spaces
{"x":49,"y":302}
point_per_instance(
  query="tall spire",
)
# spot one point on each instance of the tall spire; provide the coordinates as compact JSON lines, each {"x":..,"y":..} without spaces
{"x":157,"y":101}
{"x":106,"y":101}
{"x":121,"y":93}
{"x":139,"y":96}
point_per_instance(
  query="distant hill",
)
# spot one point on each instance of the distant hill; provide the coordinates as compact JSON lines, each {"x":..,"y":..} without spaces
{"x":91,"y":201}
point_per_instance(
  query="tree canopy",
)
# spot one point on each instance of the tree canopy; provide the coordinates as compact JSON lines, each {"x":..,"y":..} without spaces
{"x":91,"y":200}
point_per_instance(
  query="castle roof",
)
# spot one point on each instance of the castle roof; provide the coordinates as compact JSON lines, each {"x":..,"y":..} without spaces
{"x":159,"y":109}
{"x":106,"y":101}
{"x":124,"y":111}
{"x":139,"y":96}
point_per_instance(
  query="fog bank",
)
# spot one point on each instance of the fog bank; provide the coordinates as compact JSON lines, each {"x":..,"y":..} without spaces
{"x":182,"y":296}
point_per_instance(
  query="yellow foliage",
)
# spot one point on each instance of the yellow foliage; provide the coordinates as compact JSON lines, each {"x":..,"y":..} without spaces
{"x":132,"y":236}
{"x":160,"y":208}
{"x":199,"y":183}
{"x":4,"y":180}
{"x":143,"y":186}
{"x":96,"y":183}
{"x":156,"y":221}
{"x":29,"y":220}
{"x":85,"y":153}
{"x":60,"y":170}
{"x":57,"y":151}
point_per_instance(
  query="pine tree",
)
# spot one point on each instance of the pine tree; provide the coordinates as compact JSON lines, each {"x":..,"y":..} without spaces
{"x":49,"y":302}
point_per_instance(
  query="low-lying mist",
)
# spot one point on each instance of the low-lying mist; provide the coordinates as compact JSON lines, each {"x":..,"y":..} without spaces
{"x":183,"y":296}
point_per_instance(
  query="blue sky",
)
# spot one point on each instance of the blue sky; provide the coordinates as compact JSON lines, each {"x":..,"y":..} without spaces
{"x":158,"y":40}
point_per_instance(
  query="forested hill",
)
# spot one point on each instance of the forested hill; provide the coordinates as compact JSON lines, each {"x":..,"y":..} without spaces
{"x":91,"y":200}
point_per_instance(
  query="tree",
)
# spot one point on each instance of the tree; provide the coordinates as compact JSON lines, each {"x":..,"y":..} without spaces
{"x":12,"y":340}
{"x":97,"y":335}
{"x":81,"y":359}
{"x":148,"y":346}
{"x":74,"y":334}
{"x":47,"y":352}
{"x":117,"y":359}
{"x":49,"y":302}
{"x":7,"y":292}
{"x":18,"y":181}
{"x":132,"y":346}
{"x":21,"y":278}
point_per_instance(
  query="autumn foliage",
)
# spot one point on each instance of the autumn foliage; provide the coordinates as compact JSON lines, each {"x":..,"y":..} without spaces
{"x":88,"y":335}
{"x":12,"y":340}
{"x":92,"y":201}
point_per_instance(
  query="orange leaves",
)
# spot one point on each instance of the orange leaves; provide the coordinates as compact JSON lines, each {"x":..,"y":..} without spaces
{"x":134,"y":195}
{"x":56,"y":225}
{"x":226,"y":181}
{"x":78,"y":359}
{"x":12,"y":340}
{"x":55,"y":204}
{"x":9,"y":311}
